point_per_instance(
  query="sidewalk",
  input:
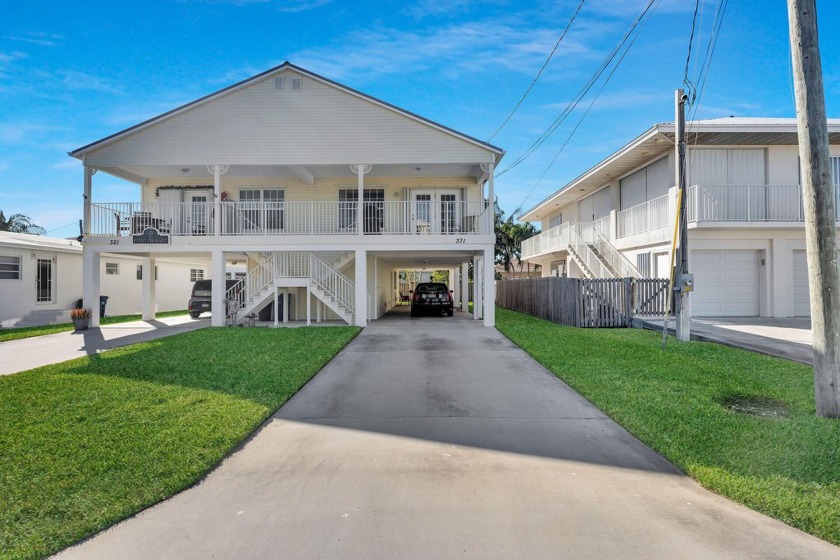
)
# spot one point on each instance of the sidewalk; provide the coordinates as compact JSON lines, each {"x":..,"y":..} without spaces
{"x":27,"y":353}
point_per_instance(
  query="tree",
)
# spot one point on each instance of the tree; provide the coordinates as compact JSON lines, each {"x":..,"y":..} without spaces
{"x":509,"y":237}
{"x":18,"y":223}
{"x":818,"y":202}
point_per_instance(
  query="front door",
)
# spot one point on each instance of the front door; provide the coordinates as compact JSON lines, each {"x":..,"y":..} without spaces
{"x":44,"y":280}
{"x":197,"y":214}
{"x":422,"y":210}
{"x":435,"y":211}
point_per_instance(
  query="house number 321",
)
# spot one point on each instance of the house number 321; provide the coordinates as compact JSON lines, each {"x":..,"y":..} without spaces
{"x":460,"y":240}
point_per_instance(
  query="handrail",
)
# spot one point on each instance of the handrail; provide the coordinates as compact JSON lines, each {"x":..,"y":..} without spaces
{"x":587,"y":256}
{"x":333,"y":282}
{"x":247,"y":288}
{"x":620,"y":264}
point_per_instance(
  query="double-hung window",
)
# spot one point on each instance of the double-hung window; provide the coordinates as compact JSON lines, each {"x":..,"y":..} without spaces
{"x":262,"y":209}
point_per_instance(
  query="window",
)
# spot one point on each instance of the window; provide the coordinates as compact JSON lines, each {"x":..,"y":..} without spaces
{"x":278,"y":83}
{"x":196,"y":274}
{"x":262,"y":207}
{"x":373,"y":210}
{"x":140,"y":272}
{"x":555,"y":221}
{"x":112,"y":268}
{"x":9,"y":268}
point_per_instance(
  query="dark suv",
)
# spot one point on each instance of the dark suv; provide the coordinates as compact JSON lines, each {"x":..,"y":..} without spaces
{"x":431,"y":296}
{"x":201,"y":296}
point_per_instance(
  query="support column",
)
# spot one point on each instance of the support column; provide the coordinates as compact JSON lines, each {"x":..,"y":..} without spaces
{"x":489,"y":296}
{"x":360,"y":170}
{"x":276,"y":305}
{"x":285,"y":305}
{"x":217,"y":171}
{"x":217,"y":294}
{"x":455,"y":286}
{"x":88,"y":192}
{"x":90,"y":284}
{"x":361,"y":304}
{"x":149,"y":285}
{"x":465,"y":286}
{"x":478,"y":293}
{"x":308,"y":306}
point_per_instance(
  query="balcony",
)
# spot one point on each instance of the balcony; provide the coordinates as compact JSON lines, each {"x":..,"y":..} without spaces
{"x":190,"y":219}
{"x":748,"y":203}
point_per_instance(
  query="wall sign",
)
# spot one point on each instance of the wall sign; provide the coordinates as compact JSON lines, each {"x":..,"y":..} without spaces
{"x":150,"y":236}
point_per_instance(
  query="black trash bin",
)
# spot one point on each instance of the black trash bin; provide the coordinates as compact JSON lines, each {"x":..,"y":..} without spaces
{"x":103,"y":301}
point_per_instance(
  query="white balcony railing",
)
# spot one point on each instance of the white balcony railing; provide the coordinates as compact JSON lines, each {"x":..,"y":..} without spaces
{"x":551,"y":240}
{"x":643,"y":217}
{"x":748,"y":203}
{"x":291,"y":218}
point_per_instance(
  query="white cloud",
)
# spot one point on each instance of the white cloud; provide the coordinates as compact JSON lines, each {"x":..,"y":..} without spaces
{"x":37,"y":38}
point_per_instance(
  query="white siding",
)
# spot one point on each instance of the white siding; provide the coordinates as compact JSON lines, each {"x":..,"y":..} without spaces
{"x":634,"y":189}
{"x":801,"y":297}
{"x":259,"y":125}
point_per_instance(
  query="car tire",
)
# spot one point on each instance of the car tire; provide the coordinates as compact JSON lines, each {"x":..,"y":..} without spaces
{"x":194,"y":315}
{"x":450,"y":313}
{"x":413,"y":313}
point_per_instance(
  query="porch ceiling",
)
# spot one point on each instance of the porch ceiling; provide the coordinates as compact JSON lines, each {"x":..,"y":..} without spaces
{"x":430,"y":260}
{"x":139,"y":174}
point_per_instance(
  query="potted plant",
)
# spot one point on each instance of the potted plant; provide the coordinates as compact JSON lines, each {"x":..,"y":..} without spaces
{"x":81,"y":318}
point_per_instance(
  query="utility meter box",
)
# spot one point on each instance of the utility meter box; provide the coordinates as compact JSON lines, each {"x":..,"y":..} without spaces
{"x":686,"y":283}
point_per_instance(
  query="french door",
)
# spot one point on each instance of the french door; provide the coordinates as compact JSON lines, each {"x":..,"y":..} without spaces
{"x":197,"y":214}
{"x":435,"y":211}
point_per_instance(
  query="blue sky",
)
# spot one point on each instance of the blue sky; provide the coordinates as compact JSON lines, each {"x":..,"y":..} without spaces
{"x":75,"y":72}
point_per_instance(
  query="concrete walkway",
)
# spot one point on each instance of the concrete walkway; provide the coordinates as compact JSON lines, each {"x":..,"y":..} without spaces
{"x":438,"y":438}
{"x":27,"y":353}
{"x":788,"y":338}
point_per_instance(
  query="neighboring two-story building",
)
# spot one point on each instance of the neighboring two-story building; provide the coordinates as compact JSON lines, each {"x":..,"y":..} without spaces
{"x":745,"y":218}
{"x":325,"y":194}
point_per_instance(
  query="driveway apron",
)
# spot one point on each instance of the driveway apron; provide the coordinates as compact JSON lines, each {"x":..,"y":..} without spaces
{"x":438,"y":438}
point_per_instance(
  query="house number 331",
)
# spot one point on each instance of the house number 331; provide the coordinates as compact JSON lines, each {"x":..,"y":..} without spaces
{"x":460,"y":240}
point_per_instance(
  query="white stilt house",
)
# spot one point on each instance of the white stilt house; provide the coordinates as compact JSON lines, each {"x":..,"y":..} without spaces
{"x":323,"y":192}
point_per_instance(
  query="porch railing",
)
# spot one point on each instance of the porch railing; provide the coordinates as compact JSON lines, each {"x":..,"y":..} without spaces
{"x":551,"y":240}
{"x":291,"y":218}
{"x":643,"y":217}
{"x":748,"y":203}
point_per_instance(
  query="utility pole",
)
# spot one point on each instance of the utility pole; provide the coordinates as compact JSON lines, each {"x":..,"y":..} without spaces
{"x":683,"y":282}
{"x":818,"y":199}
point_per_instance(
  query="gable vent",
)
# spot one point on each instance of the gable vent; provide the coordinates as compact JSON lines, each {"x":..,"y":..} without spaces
{"x":279,"y":83}
{"x":295,"y":84}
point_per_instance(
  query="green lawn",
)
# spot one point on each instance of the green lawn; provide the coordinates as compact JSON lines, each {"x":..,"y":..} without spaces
{"x":27,"y":332}
{"x":675,"y":400}
{"x":91,"y":441}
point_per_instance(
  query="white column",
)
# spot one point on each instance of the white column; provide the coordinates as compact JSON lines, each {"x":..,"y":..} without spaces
{"x":285,"y":305}
{"x":477,"y":291}
{"x":360,"y":170}
{"x":489,"y":296}
{"x":455,"y":286}
{"x":217,"y":171}
{"x":465,"y":286}
{"x":149,"y":284}
{"x":318,"y":311}
{"x":491,"y":196}
{"x":88,"y":192}
{"x":361,"y":304}
{"x":308,"y":307}
{"x":90,"y":284}
{"x":276,"y":305}
{"x":217,"y":294}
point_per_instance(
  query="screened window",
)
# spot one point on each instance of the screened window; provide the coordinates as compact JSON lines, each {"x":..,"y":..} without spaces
{"x":196,"y":274}
{"x":112,"y":268}
{"x":9,"y":268}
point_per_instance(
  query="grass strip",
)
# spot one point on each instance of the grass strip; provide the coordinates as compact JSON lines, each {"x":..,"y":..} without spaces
{"x":680,"y":400}
{"x":16,"y":333}
{"x":92,"y":441}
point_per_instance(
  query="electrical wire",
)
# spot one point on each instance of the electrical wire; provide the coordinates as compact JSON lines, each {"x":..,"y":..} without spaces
{"x":539,"y":73}
{"x":580,"y":95}
{"x":692,"y":89}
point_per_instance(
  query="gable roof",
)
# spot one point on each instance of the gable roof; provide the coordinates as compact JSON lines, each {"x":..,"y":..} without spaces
{"x":659,"y":139}
{"x":80,"y":152}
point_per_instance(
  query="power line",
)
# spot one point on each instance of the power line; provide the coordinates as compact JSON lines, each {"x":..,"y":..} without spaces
{"x":692,"y":90}
{"x":591,"y":104}
{"x":537,"y":77}
{"x":580,"y":95}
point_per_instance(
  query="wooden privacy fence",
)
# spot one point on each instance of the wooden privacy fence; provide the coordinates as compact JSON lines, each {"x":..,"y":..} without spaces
{"x":579,"y":302}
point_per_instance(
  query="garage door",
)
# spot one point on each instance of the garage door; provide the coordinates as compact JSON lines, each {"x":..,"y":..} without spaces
{"x":726,"y":283}
{"x":801,"y":300}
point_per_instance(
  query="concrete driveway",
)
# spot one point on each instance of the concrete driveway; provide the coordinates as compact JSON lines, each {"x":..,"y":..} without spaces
{"x":438,"y":438}
{"x":27,"y":353}
{"x":787,"y":337}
